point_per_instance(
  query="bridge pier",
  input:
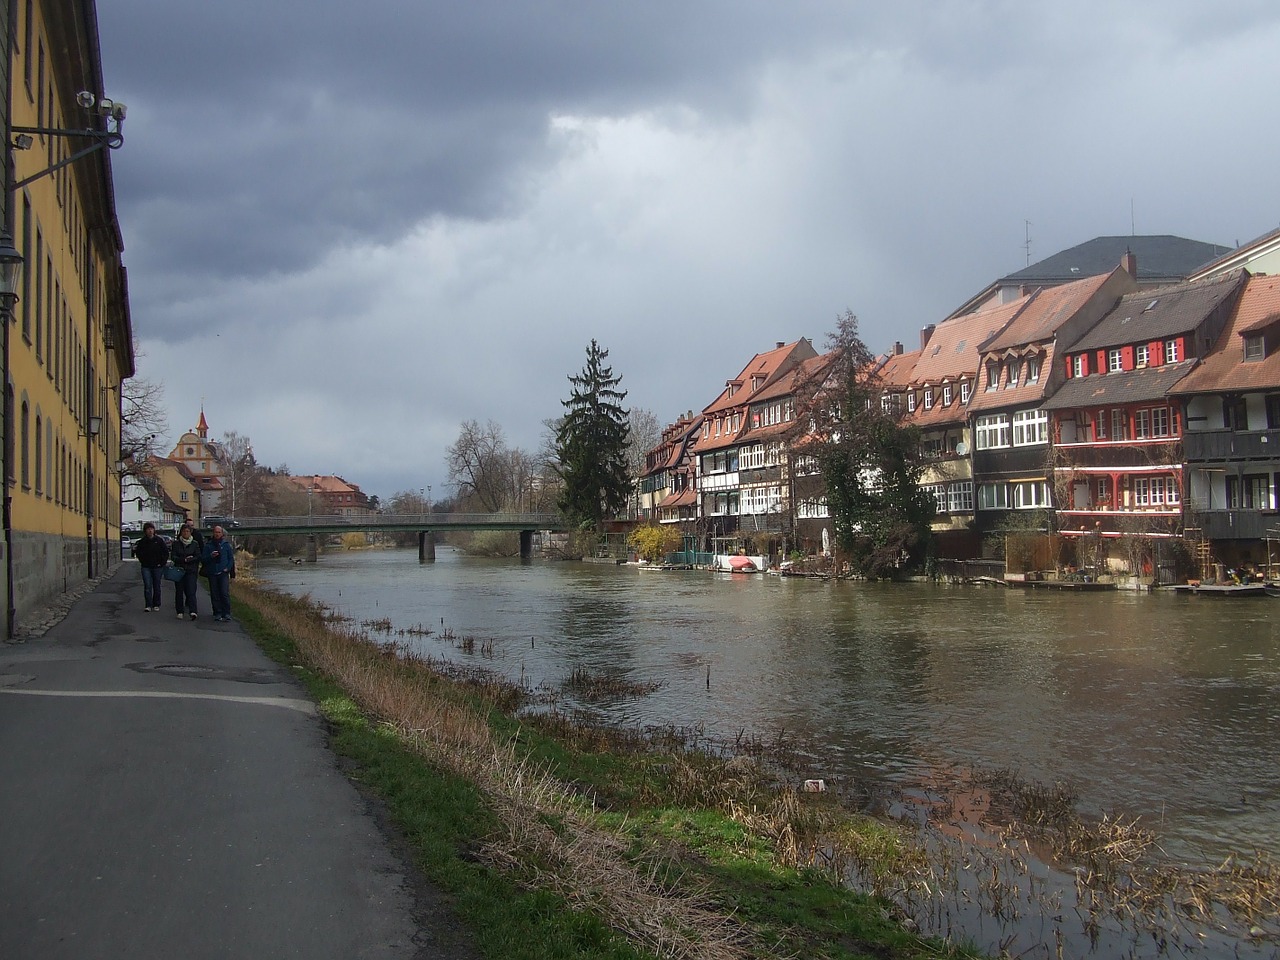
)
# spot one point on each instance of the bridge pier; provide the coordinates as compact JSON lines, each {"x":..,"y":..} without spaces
{"x":311,"y":548}
{"x":426,"y":546}
{"x":526,"y":544}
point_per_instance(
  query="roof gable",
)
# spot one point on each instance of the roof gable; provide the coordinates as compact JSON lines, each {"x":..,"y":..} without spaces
{"x":1159,"y":313}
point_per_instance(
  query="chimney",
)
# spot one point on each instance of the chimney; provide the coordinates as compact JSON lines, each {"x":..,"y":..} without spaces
{"x":1129,"y":264}
{"x":925,"y":334}
{"x":780,"y":344}
{"x":897,"y":348}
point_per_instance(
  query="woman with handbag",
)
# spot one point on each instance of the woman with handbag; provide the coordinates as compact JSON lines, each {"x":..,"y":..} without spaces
{"x":185,"y":554}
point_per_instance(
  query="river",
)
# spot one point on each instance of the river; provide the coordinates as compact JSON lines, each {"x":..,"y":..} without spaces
{"x":1161,"y":707}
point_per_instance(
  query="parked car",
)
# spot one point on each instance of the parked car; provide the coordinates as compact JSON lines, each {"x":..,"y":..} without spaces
{"x":208,"y":523}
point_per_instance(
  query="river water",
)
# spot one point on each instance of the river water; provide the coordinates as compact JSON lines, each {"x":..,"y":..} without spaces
{"x":1157,"y":706}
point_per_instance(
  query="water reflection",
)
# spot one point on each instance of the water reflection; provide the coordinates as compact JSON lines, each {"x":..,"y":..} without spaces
{"x":1163,"y":707}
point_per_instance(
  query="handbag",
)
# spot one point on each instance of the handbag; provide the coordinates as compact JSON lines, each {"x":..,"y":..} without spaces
{"x":176,"y":574}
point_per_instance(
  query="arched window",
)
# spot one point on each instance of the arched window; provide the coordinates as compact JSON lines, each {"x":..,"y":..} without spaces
{"x":39,"y":453}
{"x":24,"y":438}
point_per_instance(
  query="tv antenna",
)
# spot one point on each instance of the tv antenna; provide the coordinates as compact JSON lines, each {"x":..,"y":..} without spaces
{"x":1026,"y":242}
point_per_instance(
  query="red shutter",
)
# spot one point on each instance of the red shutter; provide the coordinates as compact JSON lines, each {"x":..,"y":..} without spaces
{"x":1084,"y":364}
{"x":1067,"y":364}
{"x":1102,"y":361}
{"x":1157,"y":352}
{"x":1126,"y":358}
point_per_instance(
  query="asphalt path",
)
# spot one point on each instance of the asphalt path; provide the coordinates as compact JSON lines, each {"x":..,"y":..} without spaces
{"x":166,"y":792}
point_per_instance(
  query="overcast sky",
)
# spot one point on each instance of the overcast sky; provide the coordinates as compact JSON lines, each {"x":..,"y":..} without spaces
{"x":350,"y":228}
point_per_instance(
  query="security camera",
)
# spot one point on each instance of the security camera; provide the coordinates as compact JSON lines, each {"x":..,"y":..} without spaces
{"x":105,"y":105}
{"x":86,"y":99}
{"x":117,"y":111}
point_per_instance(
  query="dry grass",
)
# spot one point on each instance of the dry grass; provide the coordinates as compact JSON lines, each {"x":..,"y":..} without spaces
{"x":598,"y":686}
{"x":549,"y":838}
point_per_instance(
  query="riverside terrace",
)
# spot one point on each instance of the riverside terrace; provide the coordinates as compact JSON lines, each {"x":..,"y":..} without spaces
{"x":424,"y":524}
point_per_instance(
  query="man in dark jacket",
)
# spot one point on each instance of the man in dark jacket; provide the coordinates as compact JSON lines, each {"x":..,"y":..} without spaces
{"x":152,"y":554}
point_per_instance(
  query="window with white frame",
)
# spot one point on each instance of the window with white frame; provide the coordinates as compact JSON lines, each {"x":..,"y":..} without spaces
{"x":939,"y":493}
{"x":772,"y":454}
{"x":964,"y":391}
{"x":1171,"y":353}
{"x":1154,"y":491}
{"x":884,"y":403}
{"x":911,"y":402}
{"x":960,"y":497}
{"x":1142,"y":355}
{"x":1033,"y":370}
{"x":1012,"y":369}
{"x":992,"y":432}
{"x":1115,"y":361}
{"x":993,"y":374}
{"x":928,"y":398}
{"x":1254,"y":346}
{"x":1077,"y":365}
{"x":946,"y":394}
{"x":1119,"y":425}
{"x":1100,"y":425}
{"x":993,"y":496}
{"x":806,"y":466}
{"x":1142,"y":425}
{"x":1030,"y":427}
{"x":751,"y":458}
{"x":812,"y":508}
{"x":1030,"y":496}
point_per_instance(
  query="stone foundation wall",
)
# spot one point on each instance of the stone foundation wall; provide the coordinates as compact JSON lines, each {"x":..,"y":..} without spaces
{"x":48,"y":565}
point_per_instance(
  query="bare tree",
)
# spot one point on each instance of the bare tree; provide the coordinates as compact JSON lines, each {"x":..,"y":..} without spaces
{"x":142,"y":421}
{"x":479,"y":464}
{"x":643,"y":435}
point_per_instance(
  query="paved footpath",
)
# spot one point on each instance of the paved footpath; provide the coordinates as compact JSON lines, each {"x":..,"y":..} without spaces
{"x":166,"y":792}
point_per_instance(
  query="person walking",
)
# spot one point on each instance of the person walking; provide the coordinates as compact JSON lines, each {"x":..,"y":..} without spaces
{"x":186,"y":553}
{"x":152,"y":554}
{"x":220,"y":567}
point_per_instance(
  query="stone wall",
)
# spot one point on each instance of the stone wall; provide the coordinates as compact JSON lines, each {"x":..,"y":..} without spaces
{"x":48,"y":565}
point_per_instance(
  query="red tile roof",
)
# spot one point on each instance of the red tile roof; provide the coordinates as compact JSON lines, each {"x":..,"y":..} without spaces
{"x":1223,"y":368}
{"x":763,"y":369}
{"x":1048,"y":310}
{"x":952,"y":350}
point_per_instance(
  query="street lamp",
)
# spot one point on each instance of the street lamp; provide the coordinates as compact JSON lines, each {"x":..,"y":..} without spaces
{"x":10,"y":269}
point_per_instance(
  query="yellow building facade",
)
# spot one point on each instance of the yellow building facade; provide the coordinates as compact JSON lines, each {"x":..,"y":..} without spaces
{"x":70,"y":344}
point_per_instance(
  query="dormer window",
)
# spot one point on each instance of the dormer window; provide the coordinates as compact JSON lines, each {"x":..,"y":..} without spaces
{"x":911,"y":402}
{"x":1033,"y":370}
{"x":964,"y":391}
{"x":1255,"y":347}
{"x":993,"y":374}
{"x":1141,"y":355}
{"x":1115,"y":361}
{"x":1078,"y":368}
{"x":1171,"y":352}
{"x":928,"y":398}
{"x":1011,"y":374}
{"x":946,"y":394}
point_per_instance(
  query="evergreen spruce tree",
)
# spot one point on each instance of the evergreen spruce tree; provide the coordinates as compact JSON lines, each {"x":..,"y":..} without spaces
{"x":591,"y":444}
{"x":869,"y":458}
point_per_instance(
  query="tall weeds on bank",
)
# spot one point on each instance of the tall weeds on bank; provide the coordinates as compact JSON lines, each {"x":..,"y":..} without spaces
{"x":552,"y":834}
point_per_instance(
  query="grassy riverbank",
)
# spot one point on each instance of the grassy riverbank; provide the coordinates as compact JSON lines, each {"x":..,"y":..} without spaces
{"x":561,"y":841}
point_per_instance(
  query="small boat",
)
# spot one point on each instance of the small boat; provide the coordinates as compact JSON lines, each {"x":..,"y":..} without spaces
{"x":742,"y":565}
{"x":1225,"y":589}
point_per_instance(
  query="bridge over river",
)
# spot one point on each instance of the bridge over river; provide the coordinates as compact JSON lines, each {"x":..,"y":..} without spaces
{"x":426,"y":525}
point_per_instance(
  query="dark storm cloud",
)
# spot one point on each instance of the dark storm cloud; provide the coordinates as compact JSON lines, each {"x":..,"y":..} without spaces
{"x":266,"y":133}
{"x":379,"y":220}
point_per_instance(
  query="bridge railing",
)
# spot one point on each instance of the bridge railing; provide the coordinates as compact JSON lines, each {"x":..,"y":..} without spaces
{"x":427,"y":521}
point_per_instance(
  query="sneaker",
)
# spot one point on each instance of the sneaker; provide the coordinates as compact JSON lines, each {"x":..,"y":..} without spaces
{"x":179,"y":616}
{"x":146,"y":609}
{"x":193,"y":616}
{"x":156,"y":609}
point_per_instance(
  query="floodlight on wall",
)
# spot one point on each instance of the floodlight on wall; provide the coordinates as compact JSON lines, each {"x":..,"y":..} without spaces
{"x":95,"y":427}
{"x":105,"y":128}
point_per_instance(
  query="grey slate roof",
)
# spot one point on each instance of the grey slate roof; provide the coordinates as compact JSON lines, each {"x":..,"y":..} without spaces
{"x":1115,"y":389}
{"x":1158,"y":313}
{"x":1161,"y":259}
